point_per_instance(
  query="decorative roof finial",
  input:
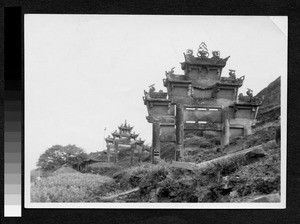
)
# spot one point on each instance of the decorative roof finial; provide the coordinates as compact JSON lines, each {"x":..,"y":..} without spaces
{"x":125,"y":123}
{"x":202,"y":51}
{"x":216,"y":54}
{"x":232,"y":73}
{"x":152,"y":88}
{"x":189,"y":52}
{"x":250,"y":93}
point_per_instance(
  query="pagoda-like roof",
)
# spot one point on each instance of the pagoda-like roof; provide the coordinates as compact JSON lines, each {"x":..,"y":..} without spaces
{"x":109,"y":139}
{"x":134,"y":135}
{"x":203,"y":58}
{"x":140,"y":141}
{"x":115,"y":134}
{"x":155,"y":96}
{"x":160,"y":95}
{"x":119,"y":135}
{"x":231,"y":80}
{"x":125,"y":126}
{"x":123,"y":141}
{"x":175,"y":79}
{"x":214,"y":61}
{"x":248,"y":103}
{"x":126,"y":135}
{"x":248,"y":99}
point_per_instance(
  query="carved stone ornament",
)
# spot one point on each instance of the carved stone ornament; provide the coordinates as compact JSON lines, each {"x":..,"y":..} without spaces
{"x":165,"y":82}
{"x":241,"y":79}
{"x":232,"y":74}
{"x":250,"y":98}
{"x":153,"y":94}
{"x":189,"y":52}
{"x":171,"y":72}
{"x":202,"y":51}
{"x":216,"y":54}
{"x":151,"y":88}
{"x":250,"y":93}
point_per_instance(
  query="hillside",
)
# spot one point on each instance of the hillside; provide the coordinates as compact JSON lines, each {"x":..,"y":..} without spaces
{"x":270,"y":108}
{"x":271,"y":94}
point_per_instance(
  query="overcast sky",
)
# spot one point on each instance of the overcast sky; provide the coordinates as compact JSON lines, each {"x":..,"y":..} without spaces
{"x":87,"y":72}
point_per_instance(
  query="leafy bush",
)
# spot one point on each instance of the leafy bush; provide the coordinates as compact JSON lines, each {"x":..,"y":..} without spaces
{"x":71,"y":188}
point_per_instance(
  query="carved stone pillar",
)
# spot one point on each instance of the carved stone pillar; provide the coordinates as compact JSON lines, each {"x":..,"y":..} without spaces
{"x":116,"y":151}
{"x":179,"y":129}
{"x":225,"y":128}
{"x":155,"y":139}
{"x":108,"y":154}
{"x":132,"y":154}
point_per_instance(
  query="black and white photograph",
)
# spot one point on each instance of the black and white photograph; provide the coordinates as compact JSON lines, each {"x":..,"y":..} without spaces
{"x":155,"y":111}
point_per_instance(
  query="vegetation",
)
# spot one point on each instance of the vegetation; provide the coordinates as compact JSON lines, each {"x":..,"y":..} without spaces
{"x":270,"y":108}
{"x":228,"y":183}
{"x":107,"y":169}
{"x":71,"y":187}
{"x":231,"y":182}
{"x":58,"y":155}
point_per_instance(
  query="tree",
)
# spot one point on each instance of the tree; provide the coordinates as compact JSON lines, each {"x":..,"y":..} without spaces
{"x":58,"y":155}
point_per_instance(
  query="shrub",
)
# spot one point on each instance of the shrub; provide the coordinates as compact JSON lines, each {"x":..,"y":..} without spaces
{"x":177,"y":190}
{"x":146,"y":175}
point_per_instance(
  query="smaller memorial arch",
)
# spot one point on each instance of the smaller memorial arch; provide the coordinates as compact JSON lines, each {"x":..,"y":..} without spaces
{"x":123,"y":139}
